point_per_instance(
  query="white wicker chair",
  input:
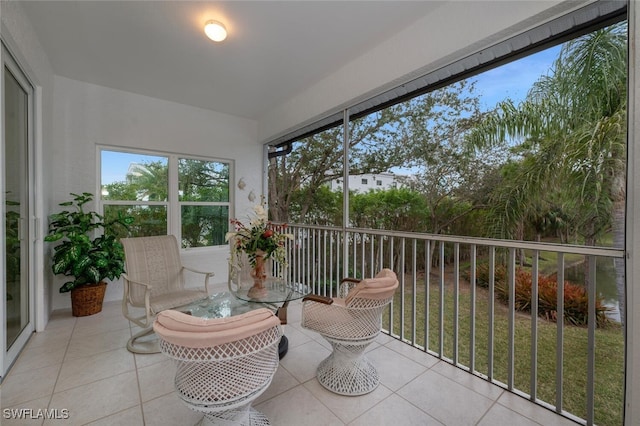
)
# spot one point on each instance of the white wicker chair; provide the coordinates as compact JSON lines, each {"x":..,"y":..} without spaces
{"x":155,"y":281}
{"x":223,"y":364}
{"x":350,"y":324}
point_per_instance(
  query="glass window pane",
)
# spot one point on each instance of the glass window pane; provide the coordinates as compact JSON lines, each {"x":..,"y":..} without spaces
{"x":148,"y":220}
{"x":205,"y":181}
{"x":204,"y":225}
{"x":133,"y":177}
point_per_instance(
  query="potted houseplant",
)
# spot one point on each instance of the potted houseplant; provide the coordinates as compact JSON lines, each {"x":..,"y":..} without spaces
{"x":86,"y":257}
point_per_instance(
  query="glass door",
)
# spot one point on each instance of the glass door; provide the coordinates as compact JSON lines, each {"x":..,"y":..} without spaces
{"x":16,"y":288}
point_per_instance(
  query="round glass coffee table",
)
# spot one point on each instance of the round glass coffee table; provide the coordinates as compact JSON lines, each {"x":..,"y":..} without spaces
{"x":276,"y":290}
{"x":236,"y":301}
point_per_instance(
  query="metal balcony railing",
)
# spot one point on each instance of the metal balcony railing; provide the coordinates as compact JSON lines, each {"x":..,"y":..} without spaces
{"x":437,"y":309}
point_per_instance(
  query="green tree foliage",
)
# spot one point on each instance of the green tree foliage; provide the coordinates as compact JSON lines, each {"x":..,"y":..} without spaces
{"x":571,"y":134}
{"x":419,"y":132}
{"x":327,"y":209}
{"x":568,"y":136}
{"x":317,"y":159}
{"x":397,"y":209}
{"x":199,"y":181}
{"x":203,"y":180}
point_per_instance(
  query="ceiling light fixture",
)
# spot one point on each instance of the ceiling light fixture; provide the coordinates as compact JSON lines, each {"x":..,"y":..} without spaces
{"x":215,"y":30}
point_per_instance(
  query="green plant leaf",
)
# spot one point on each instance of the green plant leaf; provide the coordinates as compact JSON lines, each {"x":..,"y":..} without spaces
{"x":93,"y":274}
{"x":79,"y":266}
{"x":66,"y":287}
{"x":53,"y":237}
{"x":77,"y":254}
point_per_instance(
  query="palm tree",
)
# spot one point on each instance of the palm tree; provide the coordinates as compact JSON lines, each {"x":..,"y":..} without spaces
{"x":572,"y":129}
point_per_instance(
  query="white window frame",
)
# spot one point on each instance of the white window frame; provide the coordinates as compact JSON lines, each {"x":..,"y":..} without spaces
{"x":173,"y":203}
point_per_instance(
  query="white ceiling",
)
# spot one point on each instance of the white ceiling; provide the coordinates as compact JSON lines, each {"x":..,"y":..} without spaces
{"x":158,"y":48}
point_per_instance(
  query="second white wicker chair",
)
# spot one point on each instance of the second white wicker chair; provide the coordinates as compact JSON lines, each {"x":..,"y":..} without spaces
{"x":223,"y":364}
{"x":350,"y":324}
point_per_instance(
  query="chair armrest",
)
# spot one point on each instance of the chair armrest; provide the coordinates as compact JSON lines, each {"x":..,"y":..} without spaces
{"x":198,"y":272}
{"x":317,"y":298}
{"x":126,"y":277}
{"x":207,"y":275}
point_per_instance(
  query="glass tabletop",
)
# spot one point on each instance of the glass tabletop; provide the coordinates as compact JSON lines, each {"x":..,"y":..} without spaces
{"x":219,"y":305}
{"x":276,"y":290}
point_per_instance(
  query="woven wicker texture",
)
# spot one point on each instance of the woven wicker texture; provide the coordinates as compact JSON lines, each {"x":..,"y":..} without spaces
{"x":350,"y":324}
{"x":87,"y":299}
{"x":221,"y":381}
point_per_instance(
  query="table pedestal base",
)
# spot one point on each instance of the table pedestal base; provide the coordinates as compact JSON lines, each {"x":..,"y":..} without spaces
{"x":283,"y":346}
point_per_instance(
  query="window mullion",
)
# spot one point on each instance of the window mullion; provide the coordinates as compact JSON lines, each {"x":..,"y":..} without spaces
{"x":174,"y":199}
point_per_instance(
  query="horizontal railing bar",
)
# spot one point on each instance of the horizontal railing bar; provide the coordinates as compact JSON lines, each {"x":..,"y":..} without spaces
{"x":526,"y":245}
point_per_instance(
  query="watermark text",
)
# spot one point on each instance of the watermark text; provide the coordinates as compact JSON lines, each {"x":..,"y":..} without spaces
{"x":34,"y":414}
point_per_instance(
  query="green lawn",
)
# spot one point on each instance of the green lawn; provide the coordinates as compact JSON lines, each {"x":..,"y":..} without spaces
{"x":609,"y":378}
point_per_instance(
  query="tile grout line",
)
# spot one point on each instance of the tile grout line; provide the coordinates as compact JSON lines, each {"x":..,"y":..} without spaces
{"x":66,"y":349}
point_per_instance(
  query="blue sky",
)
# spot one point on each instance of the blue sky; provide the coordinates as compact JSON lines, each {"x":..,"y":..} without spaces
{"x":514,"y":79}
{"x":115,"y":164}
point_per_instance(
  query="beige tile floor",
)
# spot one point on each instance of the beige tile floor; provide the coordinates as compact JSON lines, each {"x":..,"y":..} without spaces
{"x":82,"y":365}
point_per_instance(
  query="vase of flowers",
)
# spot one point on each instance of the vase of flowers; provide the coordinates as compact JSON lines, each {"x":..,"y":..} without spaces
{"x":260,"y":240}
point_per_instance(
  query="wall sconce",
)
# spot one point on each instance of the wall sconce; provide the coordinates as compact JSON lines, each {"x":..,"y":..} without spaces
{"x":241,"y":184}
{"x":215,"y":30}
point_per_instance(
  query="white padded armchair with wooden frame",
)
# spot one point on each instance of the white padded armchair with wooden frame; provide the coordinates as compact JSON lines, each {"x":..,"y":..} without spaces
{"x":223,"y":364}
{"x":155,"y":281}
{"x":350,"y":323}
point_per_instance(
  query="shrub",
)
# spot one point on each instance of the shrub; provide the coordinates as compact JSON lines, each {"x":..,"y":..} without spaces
{"x":482,"y":274}
{"x":576,"y":299}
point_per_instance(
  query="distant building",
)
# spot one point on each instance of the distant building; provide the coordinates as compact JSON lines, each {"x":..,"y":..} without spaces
{"x":136,"y":170}
{"x":367,"y":182}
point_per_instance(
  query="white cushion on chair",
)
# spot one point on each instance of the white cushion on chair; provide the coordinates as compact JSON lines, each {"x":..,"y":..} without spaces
{"x":194,"y":332}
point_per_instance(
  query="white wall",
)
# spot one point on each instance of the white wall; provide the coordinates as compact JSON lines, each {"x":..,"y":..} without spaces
{"x":87,"y":115}
{"x":18,"y":36}
{"x":454,"y":30}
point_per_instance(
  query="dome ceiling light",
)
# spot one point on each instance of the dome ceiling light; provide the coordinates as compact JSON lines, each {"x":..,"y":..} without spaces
{"x":215,"y":31}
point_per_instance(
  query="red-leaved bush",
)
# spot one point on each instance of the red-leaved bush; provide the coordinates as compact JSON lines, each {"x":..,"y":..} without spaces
{"x":576,"y":300}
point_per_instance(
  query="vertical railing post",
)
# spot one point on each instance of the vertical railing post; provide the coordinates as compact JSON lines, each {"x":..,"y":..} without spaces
{"x":391,"y":305}
{"x":533,"y":381}
{"x":491,"y":308}
{"x":559,"y":332}
{"x":456,"y":300}
{"x":402,"y":282}
{"x":472,"y":310}
{"x":441,"y":313}
{"x":592,"y":323}
{"x":414,"y":272}
{"x":427,"y":283}
{"x":511,"y":268}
